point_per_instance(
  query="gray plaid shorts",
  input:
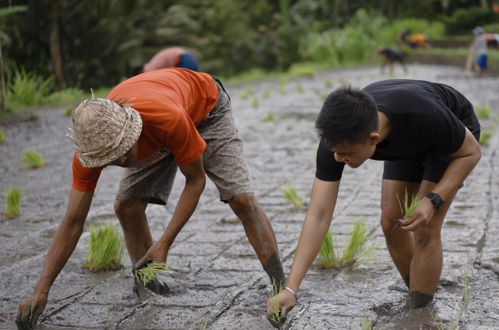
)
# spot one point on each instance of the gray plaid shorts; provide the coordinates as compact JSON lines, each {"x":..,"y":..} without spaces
{"x":223,"y":162}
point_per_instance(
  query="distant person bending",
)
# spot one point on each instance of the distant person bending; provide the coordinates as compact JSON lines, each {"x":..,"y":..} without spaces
{"x":414,"y":40}
{"x":427,"y":135}
{"x":177,"y":57}
{"x":390,"y":57}
{"x":479,"y":48}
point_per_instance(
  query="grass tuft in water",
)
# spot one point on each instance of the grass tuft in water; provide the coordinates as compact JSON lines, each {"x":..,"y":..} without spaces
{"x":354,"y":252}
{"x":484,"y":112}
{"x":291,"y":195}
{"x":68,"y":112}
{"x":13,"y":198}
{"x":150,"y":272}
{"x":33,"y":159}
{"x":2,"y":136}
{"x":409,"y":205}
{"x":105,"y":250}
{"x":485,"y":137}
{"x":255,"y":103}
{"x":269,"y":118}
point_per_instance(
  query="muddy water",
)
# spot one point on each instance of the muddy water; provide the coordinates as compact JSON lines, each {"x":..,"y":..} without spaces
{"x":216,"y":280}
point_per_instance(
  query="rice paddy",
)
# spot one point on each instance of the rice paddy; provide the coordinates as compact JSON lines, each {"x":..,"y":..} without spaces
{"x":105,"y":250}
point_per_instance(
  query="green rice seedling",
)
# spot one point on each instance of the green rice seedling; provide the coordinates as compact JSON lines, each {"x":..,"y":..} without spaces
{"x":255,"y":103}
{"x":275,"y":317}
{"x":366,"y":324}
{"x":409,"y":205}
{"x":33,"y":159}
{"x":68,"y":112}
{"x":266,"y":94}
{"x":269,"y":118}
{"x":291,"y":195}
{"x":13,"y":198}
{"x":328,"y":83}
{"x":484,"y":112}
{"x":247,"y":92}
{"x":32,"y":307}
{"x":2,"y":136}
{"x":327,"y":257}
{"x":283,"y":85}
{"x":356,"y":249}
{"x":485,"y":137}
{"x":343,"y":81}
{"x":150,"y":272}
{"x":105,"y":250}
{"x":300,"y":89}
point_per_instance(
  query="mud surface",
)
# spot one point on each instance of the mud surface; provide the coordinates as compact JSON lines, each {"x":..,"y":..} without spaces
{"x":217,"y":281}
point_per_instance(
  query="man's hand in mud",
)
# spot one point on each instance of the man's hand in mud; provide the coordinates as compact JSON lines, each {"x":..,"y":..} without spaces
{"x":279,"y":306}
{"x":422,"y":216}
{"x":30,"y":310}
{"x":155,"y":286}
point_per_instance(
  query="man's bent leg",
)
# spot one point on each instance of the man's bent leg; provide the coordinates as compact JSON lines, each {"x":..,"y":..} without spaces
{"x":400,"y":243}
{"x":260,"y":234}
{"x":132,"y":215}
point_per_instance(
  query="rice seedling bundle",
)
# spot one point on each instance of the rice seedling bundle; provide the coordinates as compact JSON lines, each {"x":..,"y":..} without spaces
{"x":33,"y":159}
{"x":150,"y":272}
{"x":291,"y":195}
{"x":2,"y":136}
{"x":484,"y":112}
{"x":105,"y":250}
{"x":13,"y":198}
{"x":356,"y":248}
{"x":485,"y":137}
{"x":327,"y":254}
{"x":410,"y":204}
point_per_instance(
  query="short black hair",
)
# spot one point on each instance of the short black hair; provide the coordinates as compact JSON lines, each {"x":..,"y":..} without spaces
{"x":347,"y":114}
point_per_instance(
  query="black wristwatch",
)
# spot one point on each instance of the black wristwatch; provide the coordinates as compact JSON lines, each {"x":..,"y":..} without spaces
{"x":435,"y":199}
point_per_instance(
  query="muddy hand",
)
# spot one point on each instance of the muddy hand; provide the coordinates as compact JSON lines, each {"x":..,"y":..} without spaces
{"x":278,"y":308}
{"x":155,"y":286}
{"x":29,"y":311}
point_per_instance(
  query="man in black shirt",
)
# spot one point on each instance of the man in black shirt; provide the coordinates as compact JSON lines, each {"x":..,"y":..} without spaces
{"x":427,"y":134}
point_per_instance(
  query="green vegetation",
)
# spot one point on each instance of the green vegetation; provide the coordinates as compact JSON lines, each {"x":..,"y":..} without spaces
{"x":68,"y":112}
{"x":13,"y":197}
{"x":247,"y":92}
{"x":150,"y":272}
{"x":291,"y":195}
{"x":269,"y":118}
{"x":105,"y":249}
{"x":255,"y":103}
{"x":367,"y":324}
{"x":32,"y":159}
{"x":283,"y":85}
{"x":355,"y":251}
{"x":485,"y":137}
{"x":266,"y":94}
{"x":328,"y":83}
{"x":484,"y":112}
{"x":300,"y":89}
{"x":66,"y":96}
{"x":409,"y":204}
{"x":32,"y":307}
{"x":29,"y":89}
{"x":275,"y":317}
{"x":2,"y":136}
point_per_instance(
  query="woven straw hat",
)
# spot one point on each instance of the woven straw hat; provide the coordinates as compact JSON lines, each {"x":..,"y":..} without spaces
{"x":103,"y":131}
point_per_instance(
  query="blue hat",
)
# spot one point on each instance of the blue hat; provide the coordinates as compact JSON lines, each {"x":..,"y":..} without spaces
{"x":478,"y":30}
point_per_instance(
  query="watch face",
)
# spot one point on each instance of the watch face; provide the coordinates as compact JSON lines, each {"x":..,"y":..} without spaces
{"x":436,"y":200}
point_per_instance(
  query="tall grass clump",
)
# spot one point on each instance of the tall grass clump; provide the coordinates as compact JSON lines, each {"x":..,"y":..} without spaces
{"x":484,"y":112}
{"x":33,"y":159}
{"x":27,"y":89}
{"x":485,"y":137}
{"x":105,"y":250}
{"x":355,"y":251}
{"x":150,"y":272}
{"x":2,"y":136}
{"x":13,"y":197}
{"x":291,"y":195}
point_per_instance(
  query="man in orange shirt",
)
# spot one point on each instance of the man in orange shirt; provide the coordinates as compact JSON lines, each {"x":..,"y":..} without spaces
{"x":151,"y":124}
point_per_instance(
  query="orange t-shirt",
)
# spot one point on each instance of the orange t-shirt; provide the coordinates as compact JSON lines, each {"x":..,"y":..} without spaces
{"x":172,"y":103}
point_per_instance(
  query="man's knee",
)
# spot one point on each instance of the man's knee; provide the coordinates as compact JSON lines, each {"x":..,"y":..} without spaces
{"x":425,"y":236}
{"x":243,"y":203}
{"x":125,"y":208}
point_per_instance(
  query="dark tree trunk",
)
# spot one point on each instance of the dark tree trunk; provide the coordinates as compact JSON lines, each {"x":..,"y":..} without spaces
{"x":2,"y":81}
{"x":55,"y":52}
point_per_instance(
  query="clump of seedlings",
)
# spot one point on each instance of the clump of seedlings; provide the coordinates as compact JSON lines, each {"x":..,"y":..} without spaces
{"x":150,"y":272}
{"x":484,"y":112}
{"x":33,"y":159}
{"x":266,"y":94}
{"x":269,"y":118}
{"x":275,"y":318}
{"x":291,"y":195}
{"x":485,"y":137}
{"x":2,"y":136}
{"x":343,"y":81}
{"x":68,"y":112}
{"x":283,"y":84}
{"x":247,"y":92}
{"x":105,"y":250}
{"x":354,"y":252}
{"x":255,"y":103}
{"x":13,"y":198}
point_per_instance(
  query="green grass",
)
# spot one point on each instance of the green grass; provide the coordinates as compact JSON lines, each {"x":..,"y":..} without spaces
{"x":255,"y":103}
{"x":409,"y":204}
{"x":269,"y":118}
{"x":66,"y":96}
{"x":13,"y":198}
{"x":27,"y":89}
{"x":105,"y":249}
{"x":32,"y":159}
{"x":68,"y":112}
{"x":328,"y":83}
{"x":484,"y":112}
{"x":291,"y":195}
{"x":150,"y":272}
{"x":2,"y":136}
{"x":247,"y":92}
{"x":366,"y":324}
{"x":485,"y":137}
{"x":266,"y":94}
{"x":354,"y":252}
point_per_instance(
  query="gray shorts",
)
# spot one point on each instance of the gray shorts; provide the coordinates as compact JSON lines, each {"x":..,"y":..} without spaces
{"x":223,"y":162}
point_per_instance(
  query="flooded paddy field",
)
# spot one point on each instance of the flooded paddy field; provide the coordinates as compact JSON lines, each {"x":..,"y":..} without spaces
{"x":216,"y":279}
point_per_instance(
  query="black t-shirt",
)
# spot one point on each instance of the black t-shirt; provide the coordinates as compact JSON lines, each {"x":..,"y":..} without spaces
{"x":425,"y":118}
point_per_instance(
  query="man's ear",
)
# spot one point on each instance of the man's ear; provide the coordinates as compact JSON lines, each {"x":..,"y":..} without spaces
{"x":374,"y":138}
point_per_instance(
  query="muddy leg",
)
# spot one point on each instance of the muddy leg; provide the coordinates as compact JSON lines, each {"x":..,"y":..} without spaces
{"x":400,"y":243}
{"x":260,"y":234}
{"x":131,"y":213}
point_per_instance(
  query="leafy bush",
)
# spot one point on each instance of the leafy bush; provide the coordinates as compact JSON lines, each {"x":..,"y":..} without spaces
{"x":105,"y":249}
{"x":28,"y":89}
{"x":464,"y":20}
{"x":33,"y":159}
{"x":13,"y":198}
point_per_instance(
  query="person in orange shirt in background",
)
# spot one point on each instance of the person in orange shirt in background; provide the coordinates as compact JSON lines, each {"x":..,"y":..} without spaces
{"x":172,"y":57}
{"x":151,"y":124}
{"x":414,"y":40}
